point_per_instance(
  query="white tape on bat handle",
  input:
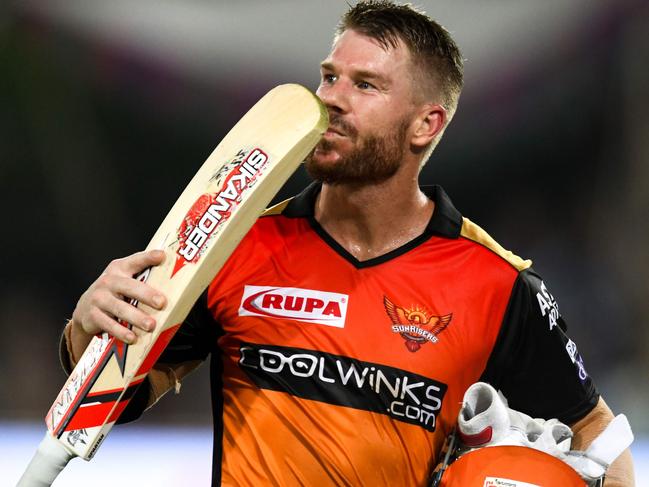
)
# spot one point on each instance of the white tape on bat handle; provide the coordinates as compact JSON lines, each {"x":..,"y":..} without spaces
{"x":50,"y":458}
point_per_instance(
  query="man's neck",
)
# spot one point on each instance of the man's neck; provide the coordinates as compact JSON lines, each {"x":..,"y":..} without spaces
{"x":372,"y":220}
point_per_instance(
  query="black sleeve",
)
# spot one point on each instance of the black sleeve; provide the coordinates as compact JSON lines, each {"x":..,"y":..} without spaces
{"x":196,"y":338}
{"x":534,"y":363}
{"x":193,"y":341}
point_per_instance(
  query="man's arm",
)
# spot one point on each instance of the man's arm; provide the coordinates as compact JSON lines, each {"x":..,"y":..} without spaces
{"x":620,"y":473}
{"x":162,"y":377}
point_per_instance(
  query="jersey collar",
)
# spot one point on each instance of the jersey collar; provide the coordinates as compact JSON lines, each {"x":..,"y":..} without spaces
{"x":445,"y":222}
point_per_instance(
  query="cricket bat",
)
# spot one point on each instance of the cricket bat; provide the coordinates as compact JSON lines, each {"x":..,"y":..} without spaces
{"x":202,"y":229}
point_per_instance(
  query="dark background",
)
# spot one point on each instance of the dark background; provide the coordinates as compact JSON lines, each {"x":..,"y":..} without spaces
{"x":108,"y":108}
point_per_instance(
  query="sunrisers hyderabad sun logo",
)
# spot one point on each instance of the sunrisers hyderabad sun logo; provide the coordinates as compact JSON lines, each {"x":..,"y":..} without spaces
{"x":416,"y":326}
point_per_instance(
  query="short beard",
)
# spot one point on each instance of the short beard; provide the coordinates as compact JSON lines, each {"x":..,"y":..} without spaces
{"x":375,"y":160}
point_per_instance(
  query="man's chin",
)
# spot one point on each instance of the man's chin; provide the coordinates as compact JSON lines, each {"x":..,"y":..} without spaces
{"x":323,"y":166}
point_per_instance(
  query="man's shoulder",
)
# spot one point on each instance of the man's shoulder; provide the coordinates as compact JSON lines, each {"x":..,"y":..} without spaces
{"x":474,"y":233}
{"x":276,"y":209}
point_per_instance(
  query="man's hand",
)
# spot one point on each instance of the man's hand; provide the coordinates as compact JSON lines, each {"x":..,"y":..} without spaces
{"x":106,"y":300}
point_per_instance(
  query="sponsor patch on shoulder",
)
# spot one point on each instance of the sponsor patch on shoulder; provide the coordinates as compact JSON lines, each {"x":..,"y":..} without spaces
{"x":309,"y":305}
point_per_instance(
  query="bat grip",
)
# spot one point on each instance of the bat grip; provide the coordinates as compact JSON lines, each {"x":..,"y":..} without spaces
{"x":50,"y":458}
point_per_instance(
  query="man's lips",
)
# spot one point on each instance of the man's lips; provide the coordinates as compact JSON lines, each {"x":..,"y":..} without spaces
{"x":334,"y":132}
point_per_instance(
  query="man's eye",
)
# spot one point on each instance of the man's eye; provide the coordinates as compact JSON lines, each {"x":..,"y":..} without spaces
{"x":364,"y":85}
{"x":328,"y":78}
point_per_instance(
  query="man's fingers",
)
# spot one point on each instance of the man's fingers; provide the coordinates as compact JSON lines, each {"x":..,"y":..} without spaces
{"x":144,"y":259}
{"x":133,"y":289}
{"x":107,"y":300}
{"x":112,"y":327}
{"x":129,"y":313}
{"x":136,"y":263}
{"x":109,"y":297}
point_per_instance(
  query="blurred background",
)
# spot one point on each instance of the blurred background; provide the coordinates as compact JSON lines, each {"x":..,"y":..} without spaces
{"x":108,"y":108}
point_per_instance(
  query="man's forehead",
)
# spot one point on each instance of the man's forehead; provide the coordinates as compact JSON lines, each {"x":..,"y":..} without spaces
{"x":352,"y":47}
{"x":387,"y":45}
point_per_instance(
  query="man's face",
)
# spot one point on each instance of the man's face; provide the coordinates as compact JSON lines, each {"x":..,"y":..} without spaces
{"x":368,"y":93}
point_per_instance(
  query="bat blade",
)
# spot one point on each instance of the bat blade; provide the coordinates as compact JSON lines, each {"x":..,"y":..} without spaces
{"x":209,"y":219}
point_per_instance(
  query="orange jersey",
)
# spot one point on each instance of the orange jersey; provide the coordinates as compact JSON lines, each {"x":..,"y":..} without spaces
{"x":330,"y":371}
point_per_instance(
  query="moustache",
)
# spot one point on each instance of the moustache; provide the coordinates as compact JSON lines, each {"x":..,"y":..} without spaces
{"x":338,"y":123}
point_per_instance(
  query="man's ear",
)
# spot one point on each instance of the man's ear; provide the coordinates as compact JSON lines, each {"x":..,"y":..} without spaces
{"x":429,"y":122}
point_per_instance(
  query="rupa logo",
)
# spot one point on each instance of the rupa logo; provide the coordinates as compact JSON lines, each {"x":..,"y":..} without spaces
{"x":321,"y":307}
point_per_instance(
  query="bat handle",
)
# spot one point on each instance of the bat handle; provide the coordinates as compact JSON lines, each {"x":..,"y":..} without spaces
{"x":50,"y":458}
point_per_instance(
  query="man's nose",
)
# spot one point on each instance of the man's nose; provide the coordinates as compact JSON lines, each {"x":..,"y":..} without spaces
{"x":335,"y":96}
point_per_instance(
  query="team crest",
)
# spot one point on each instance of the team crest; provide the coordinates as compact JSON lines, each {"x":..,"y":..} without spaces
{"x":416,"y":326}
